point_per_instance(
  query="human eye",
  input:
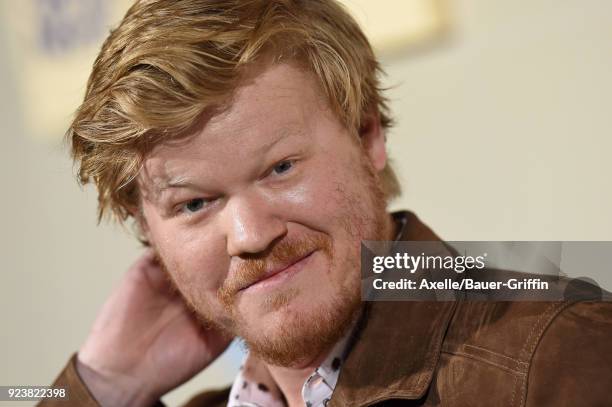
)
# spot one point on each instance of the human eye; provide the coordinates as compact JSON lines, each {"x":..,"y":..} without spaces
{"x":283,"y":167}
{"x":194,"y":205}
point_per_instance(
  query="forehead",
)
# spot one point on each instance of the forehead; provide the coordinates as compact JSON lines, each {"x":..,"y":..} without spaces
{"x":272,"y":103}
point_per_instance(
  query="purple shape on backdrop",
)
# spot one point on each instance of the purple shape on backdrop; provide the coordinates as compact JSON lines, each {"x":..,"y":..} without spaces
{"x":63,"y":25}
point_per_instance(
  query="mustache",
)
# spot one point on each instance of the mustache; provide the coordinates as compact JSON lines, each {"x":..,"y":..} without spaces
{"x":253,"y":267}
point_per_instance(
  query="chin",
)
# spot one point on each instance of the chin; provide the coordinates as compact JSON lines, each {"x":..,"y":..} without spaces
{"x":298,"y":330}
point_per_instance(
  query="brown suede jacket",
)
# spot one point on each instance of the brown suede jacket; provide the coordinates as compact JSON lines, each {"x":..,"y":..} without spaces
{"x":459,"y":354}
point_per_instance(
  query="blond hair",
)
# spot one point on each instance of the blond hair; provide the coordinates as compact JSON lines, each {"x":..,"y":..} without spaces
{"x":169,"y":60}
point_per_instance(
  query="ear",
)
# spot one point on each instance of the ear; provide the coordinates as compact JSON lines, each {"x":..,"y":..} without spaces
{"x":372,"y":137}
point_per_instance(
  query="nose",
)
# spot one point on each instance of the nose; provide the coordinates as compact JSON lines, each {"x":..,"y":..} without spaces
{"x":251,"y":225}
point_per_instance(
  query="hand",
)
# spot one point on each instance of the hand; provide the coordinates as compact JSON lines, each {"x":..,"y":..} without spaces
{"x":145,"y":341}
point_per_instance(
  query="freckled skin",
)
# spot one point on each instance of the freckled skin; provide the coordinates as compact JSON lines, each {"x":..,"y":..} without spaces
{"x":329,"y":190}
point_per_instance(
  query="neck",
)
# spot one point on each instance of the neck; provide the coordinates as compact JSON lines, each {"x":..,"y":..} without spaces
{"x":291,"y":379}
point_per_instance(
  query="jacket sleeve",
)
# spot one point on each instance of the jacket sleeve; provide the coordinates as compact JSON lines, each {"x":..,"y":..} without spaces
{"x":572,"y":365}
{"x":80,"y":396}
{"x":78,"y":393}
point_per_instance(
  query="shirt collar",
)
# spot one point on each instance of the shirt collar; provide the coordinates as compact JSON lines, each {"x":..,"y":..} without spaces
{"x":255,"y":387}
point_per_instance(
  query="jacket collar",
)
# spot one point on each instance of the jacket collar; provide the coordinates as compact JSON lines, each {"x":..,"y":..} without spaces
{"x":397,"y":345}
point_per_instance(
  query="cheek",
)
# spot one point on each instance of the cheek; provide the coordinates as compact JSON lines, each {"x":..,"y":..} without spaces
{"x":197,"y":261}
{"x":331,"y":191}
{"x":307,"y":203}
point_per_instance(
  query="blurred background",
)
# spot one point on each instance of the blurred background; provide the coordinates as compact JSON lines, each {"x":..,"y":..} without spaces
{"x":504,"y":122}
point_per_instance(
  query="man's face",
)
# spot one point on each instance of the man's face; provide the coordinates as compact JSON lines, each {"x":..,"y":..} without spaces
{"x":258,"y":217}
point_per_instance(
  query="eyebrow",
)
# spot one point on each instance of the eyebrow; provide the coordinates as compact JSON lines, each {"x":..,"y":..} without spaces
{"x":287,"y":132}
{"x":181,"y":181}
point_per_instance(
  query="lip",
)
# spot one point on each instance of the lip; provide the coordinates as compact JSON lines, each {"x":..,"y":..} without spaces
{"x":280,"y":275}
